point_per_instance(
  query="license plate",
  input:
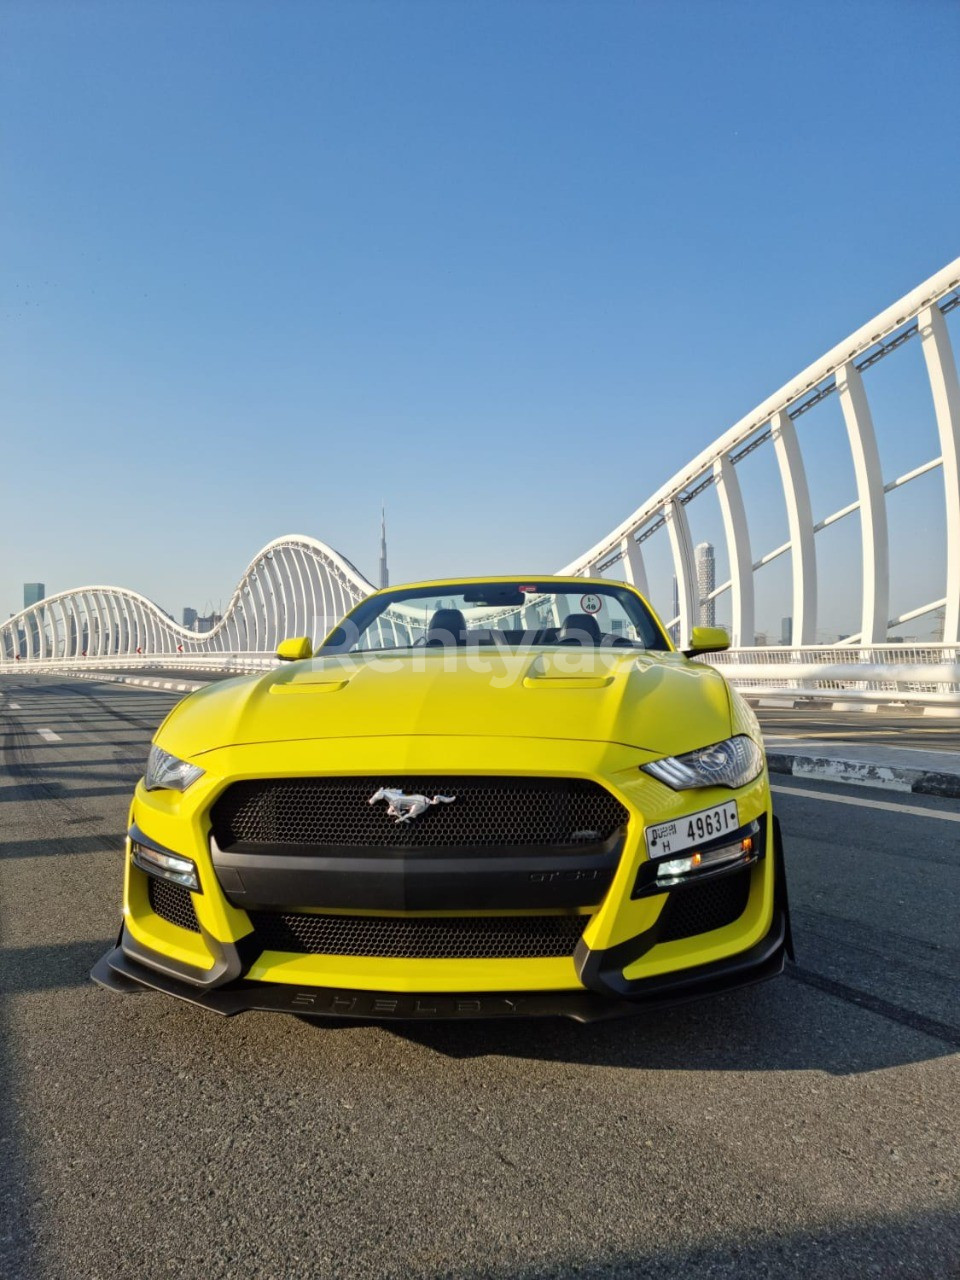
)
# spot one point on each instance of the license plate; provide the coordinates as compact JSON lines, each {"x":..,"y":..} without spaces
{"x":693,"y":829}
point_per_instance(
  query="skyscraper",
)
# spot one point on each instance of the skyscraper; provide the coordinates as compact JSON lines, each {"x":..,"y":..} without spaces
{"x":33,"y":593}
{"x":706,"y":581}
{"x":384,"y":571}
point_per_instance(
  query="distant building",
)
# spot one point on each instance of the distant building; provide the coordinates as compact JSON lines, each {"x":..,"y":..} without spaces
{"x":706,"y":582}
{"x":189,"y":618}
{"x":33,"y":593}
{"x":207,"y":623}
{"x":384,"y":571}
{"x":786,"y":630}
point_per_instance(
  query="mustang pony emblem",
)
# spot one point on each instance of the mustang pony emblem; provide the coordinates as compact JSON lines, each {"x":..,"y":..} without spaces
{"x":405,"y":808}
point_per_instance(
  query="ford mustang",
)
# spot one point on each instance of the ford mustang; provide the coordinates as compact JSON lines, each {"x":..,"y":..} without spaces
{"x":484,"y":797}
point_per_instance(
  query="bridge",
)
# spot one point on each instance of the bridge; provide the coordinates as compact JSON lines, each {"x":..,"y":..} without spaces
{"x":297,"y":585}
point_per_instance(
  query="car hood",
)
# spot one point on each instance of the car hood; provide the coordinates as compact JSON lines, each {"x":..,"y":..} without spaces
{"x":660,"y":703}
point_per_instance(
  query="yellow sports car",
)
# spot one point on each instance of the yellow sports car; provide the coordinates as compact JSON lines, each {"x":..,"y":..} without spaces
{"x":486,"y":797}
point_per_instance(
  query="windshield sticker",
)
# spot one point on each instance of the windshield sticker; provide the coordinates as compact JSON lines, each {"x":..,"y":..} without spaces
{"x":590,"y":604}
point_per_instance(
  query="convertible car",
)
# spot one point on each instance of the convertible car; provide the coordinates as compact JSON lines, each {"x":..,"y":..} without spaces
{"x":489,"y":797}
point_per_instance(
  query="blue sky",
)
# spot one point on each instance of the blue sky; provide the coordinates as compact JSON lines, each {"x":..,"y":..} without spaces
{"x":504,"y":266}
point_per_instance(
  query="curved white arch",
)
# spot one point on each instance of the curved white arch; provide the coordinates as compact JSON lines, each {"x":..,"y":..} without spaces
{"x":920,"y":312}
{"x":269,"y":602}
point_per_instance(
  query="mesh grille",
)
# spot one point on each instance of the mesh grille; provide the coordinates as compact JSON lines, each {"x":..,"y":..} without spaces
{"x":173,"y":903}
{"x":698,"y":908}
{"x":487,"y":812}
{"x":405,"y":938}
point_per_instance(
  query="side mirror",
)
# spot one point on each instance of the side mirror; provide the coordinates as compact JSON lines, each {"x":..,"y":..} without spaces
{"x":707,"y":640}
{"x":295,"y":650}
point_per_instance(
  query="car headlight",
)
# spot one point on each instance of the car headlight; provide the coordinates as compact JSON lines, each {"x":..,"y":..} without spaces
{"x":732,"y":763}
{"x":167,"y":773}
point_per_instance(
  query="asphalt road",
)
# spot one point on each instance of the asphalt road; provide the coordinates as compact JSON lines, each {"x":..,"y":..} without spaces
{"x":887,"y":728}
{"x":809,"y":1127}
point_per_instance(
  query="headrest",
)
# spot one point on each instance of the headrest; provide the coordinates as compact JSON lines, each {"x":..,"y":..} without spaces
{"x":580,"y":627}
{"x":447,"y":626}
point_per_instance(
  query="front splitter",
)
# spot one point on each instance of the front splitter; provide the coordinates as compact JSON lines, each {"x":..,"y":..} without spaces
{"x":120,"y":973}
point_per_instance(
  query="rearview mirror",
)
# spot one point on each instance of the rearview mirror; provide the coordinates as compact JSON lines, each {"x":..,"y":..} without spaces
{"x":295,"y":650}
{"x":707,"y":640}
{"x":497,"y":595}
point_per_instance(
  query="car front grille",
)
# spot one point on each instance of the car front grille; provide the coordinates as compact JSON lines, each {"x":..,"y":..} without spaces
{"x":420,"y":938}
{"x":173,"y":903}
{"x":323,"y":814}
{"x":698,"y":908}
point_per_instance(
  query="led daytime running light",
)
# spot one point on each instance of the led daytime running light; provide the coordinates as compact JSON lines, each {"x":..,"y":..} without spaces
{"x":672,"y":870}
{"x":165,"y":866}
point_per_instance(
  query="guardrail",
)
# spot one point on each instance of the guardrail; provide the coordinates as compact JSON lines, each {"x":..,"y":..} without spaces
{"x":926,"y":674}
{"x":185,"y":662}
{"x":890,"y":673}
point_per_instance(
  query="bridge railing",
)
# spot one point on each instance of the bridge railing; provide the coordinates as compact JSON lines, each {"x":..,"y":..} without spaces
{"x":888,"y":673}
{"x":187,"y":663}
{"x":885,"y":673}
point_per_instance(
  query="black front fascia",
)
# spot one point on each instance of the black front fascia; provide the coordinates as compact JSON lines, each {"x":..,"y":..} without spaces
{"x":405,"y":881}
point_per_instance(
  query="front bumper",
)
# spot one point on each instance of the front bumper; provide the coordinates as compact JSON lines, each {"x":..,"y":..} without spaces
{"x":119,"y":972}
{"x":626,"y":962}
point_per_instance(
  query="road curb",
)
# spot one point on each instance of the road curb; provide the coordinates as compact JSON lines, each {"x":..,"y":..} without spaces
{"x":861,"y":773}
{"x":173,"y":686}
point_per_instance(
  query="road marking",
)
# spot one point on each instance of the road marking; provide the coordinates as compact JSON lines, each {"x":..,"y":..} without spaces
{"x":868,"y":804}
{"x":49,"y":736}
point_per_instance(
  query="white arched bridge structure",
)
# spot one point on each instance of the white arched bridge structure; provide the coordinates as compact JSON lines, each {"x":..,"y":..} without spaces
{"x":299,"y":586}
{"x":294,"y":586}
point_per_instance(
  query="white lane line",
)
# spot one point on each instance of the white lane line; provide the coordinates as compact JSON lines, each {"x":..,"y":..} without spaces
{"x":49,"y":736}
{"x":868,"y":804}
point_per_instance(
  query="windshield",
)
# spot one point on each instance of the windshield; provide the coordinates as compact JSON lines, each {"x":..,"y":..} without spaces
{"x":499,"y":614}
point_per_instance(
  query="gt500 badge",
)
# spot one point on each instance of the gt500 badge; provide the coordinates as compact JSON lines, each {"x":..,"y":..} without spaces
{"x":683,"y":833}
